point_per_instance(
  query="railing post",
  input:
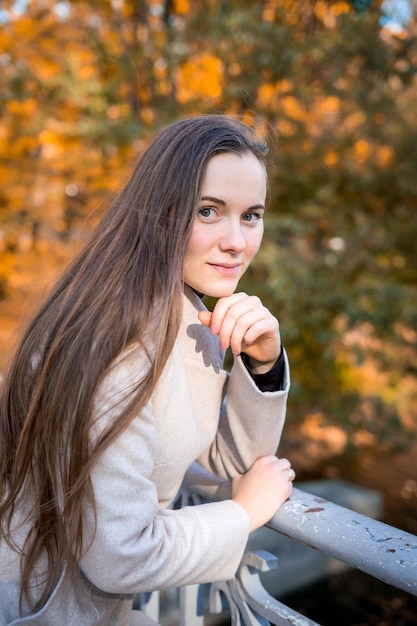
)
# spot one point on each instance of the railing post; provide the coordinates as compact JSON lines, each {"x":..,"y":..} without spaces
{"x":250,"y":604}
{"x":149,"y":604}
{"x":191,"y":605}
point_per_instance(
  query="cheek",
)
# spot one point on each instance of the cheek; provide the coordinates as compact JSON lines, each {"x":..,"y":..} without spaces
{"x":193,"y":254}
{"x":198,"y":243}
{"x":190,"y":252}
{"x":194,"y":260}
{"x":254,"y":242}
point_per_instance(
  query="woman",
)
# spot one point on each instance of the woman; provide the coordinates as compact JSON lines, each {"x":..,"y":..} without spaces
{"x":118,"y":386}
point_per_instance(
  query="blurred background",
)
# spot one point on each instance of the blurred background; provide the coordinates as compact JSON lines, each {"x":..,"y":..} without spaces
{"x":332,"y":87}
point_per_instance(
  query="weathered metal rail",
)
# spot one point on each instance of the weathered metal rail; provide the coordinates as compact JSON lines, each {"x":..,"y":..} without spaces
{"x":382,"y":551}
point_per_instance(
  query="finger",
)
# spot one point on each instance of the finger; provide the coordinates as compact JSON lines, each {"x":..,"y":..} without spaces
{"x":253,"y":330}
{"x":266,"y":324}
{"x":291,"y":474}
{"x":222,"y":308}
{"x":205,"y":317}
{"x":236,"y":321}
{"x":235,"y":332}
{"x":284,"y":463}
{"x":271,"y":458}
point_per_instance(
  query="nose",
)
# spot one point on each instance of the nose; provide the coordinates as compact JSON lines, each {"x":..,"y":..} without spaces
{"x":232,"y":238}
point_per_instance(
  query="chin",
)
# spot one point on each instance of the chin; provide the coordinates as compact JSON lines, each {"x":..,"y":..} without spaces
{"x":220,"y":291}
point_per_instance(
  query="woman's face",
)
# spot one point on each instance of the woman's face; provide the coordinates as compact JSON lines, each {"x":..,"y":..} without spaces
{"x":228,"y":228}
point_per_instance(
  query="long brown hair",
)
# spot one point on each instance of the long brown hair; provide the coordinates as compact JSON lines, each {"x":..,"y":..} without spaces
{"x":128,"y":272}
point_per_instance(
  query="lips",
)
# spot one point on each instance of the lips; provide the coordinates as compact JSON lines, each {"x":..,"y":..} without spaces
{"x":226,"y":269}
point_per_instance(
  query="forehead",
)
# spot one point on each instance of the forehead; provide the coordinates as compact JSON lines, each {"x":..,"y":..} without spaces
{"x":235,"y":173}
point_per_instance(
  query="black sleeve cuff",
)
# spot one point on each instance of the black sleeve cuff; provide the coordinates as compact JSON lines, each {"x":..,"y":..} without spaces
{"x":272,"y":380}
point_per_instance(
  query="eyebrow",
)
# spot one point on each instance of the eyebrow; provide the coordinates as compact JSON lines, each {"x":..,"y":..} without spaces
{"x":223,"y":203}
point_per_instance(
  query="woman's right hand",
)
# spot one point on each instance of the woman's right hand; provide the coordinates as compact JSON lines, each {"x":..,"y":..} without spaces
{"x":263,"y":488}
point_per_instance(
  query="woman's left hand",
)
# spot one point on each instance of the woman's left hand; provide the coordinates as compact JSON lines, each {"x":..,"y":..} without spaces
{"x":244,"y":324}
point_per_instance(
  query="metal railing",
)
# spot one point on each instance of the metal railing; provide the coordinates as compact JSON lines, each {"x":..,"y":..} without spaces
{"x":382,"y":551}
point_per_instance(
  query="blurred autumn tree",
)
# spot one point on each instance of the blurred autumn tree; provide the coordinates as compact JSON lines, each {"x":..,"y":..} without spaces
{"x":85,"y":84}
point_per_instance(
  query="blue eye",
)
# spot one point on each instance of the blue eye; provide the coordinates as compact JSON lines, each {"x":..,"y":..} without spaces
{"x":253,"y":216}
{"x":206,"y":212}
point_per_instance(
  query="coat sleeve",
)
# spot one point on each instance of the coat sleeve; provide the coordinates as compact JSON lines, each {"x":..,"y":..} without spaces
{"x":250,"y":426}
{"x":133,"y":544}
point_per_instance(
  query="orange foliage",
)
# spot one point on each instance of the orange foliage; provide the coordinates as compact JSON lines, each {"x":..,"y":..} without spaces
{"x":181,"y":6}
{"x":200,"y":77}
{"x":327,"y":13}
{"x":293,"y":108}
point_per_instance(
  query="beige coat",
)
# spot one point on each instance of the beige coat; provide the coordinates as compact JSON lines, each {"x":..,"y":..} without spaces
{"x":140,"y":543}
